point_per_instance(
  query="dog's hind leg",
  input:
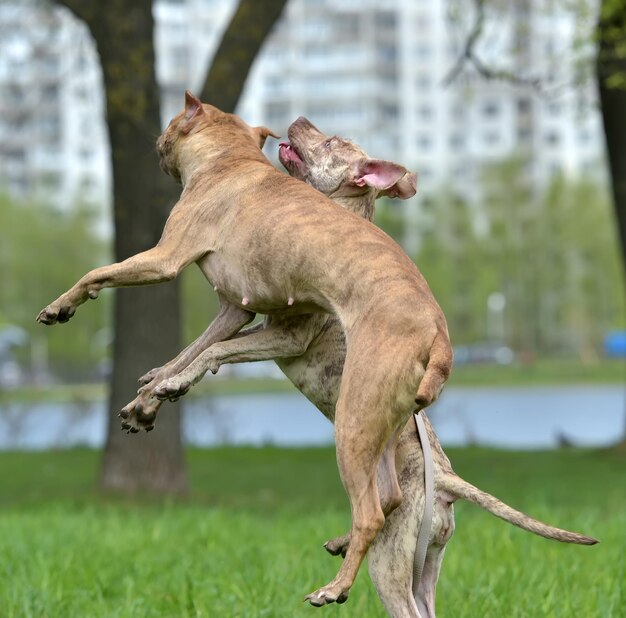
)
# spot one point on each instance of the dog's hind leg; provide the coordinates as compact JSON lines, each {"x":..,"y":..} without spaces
{"x":391,"y":555}
{"x":371,"y":408}
{"x":428,"y":583}
{"x":389,"y":493}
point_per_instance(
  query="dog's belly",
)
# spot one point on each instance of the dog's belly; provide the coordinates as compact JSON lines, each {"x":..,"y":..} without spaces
{"x":317,"y":373}
{"x":243,"y":283}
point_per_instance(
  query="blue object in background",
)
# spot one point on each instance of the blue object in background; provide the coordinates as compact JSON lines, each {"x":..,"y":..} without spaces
{"x":615,"y":344}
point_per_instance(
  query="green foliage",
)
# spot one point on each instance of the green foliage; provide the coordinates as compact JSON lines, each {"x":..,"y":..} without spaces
{"x":43,"y":252}
{"x":388,"y":216}
{"x":247,"y":541}
{"x":554,"y":257}
{"x":453,"y":260}
{"x":199,"y":303}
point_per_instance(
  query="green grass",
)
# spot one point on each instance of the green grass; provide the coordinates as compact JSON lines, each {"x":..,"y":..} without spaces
{"x":247,"y":540}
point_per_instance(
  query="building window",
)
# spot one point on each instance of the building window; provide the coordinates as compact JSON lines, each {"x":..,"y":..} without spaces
{"x":457,"y":140}
{"x":491,"y":109}
{"x":422,"y":23}
{"x":386,"y":19}
{"x":51,"y":93}
{"x":491,"y":137}
{"x":424,"y":142}
{"x":423,"y":81}
{"x":389,"y":112}
{"x":388,"y":52}
{"x":425,"y":112}
{"x":422,"y":50}
{"x":523,"y":105}
{"x":552,"y":138}
{"x":555,"y":108}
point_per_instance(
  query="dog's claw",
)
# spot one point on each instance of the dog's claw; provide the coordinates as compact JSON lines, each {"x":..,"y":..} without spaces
{"x":325,"y":596}
{"x":342,"y":598}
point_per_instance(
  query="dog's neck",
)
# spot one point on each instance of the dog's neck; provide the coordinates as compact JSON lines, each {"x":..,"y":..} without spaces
{"x":362,"y":205}
{"x":197,"y":156}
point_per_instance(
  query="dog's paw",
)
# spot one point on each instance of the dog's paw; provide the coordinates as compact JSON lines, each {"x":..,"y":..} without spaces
{"x":338,"y":545}
{"x":58,"y":311}
{"x":333,"y":593}
{"x":140,"y":414}
{"x":172,"y":388}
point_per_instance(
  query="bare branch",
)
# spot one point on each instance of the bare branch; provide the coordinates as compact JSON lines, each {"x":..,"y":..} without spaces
{"x":469,"y":56}
{"x":468,"y":50}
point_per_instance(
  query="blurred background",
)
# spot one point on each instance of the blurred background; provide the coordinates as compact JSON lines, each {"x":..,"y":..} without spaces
{"x":513,"y":224}
{"x":510,"y":113}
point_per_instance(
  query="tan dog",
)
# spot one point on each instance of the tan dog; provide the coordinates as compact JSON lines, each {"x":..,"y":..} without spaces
{"x":310,"y":350}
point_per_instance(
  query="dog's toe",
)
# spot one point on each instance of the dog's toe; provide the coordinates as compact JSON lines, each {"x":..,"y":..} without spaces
{"x":328,"y":594}
{"x":338,"y":545}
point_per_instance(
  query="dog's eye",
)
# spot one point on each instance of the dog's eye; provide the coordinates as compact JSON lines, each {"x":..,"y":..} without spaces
{"x":328,"y":143}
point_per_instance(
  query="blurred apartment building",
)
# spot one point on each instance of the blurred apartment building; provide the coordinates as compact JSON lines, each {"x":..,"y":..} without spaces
{"x":372,"y":70}
{"x":53,"y":144}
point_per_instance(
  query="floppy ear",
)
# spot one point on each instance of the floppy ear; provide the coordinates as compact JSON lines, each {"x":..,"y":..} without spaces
{"x":193,"y":112}
{"x":405,"y":188}
{"x":260,"y":134}
{"x":377,"y":173}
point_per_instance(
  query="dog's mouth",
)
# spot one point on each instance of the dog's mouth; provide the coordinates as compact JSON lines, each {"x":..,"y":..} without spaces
{"x":289,"y":154}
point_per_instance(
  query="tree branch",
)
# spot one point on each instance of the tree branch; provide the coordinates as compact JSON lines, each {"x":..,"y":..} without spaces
{"x":469,"y":56}
{"x":242,"y":40}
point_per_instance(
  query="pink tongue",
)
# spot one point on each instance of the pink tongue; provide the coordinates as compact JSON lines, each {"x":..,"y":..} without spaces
{"x":289,"y":152}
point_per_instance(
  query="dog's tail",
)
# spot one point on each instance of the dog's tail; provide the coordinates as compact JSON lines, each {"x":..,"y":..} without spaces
{"x":460,"y":488}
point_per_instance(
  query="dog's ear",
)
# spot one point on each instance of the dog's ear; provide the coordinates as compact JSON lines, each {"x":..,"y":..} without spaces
{"x":405,"y":188}
{"x":260,"y":134}
{"x":377,"y":173}
{"x":193,"y":112}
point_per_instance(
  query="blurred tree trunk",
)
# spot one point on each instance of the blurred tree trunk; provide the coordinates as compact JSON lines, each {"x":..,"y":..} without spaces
{"x":611,"y":76}
{"x":147,"y":319}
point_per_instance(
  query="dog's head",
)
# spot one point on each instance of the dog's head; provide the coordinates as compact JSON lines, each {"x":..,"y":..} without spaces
{"x":338,"y":168}
{"x":203,"y":131}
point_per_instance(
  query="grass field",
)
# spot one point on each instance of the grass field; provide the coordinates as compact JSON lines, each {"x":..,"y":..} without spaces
{"x":247,"y":540}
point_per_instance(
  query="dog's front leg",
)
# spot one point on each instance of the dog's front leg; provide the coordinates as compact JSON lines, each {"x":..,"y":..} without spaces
{"x":281,"y":339}
{"x":153,"y":266}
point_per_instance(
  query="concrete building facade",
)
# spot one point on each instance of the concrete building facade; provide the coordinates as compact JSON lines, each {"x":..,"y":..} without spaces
{"x":372,"y":70}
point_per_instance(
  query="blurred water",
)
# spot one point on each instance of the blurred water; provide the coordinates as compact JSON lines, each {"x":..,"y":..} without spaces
{"x":524,"y":418}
